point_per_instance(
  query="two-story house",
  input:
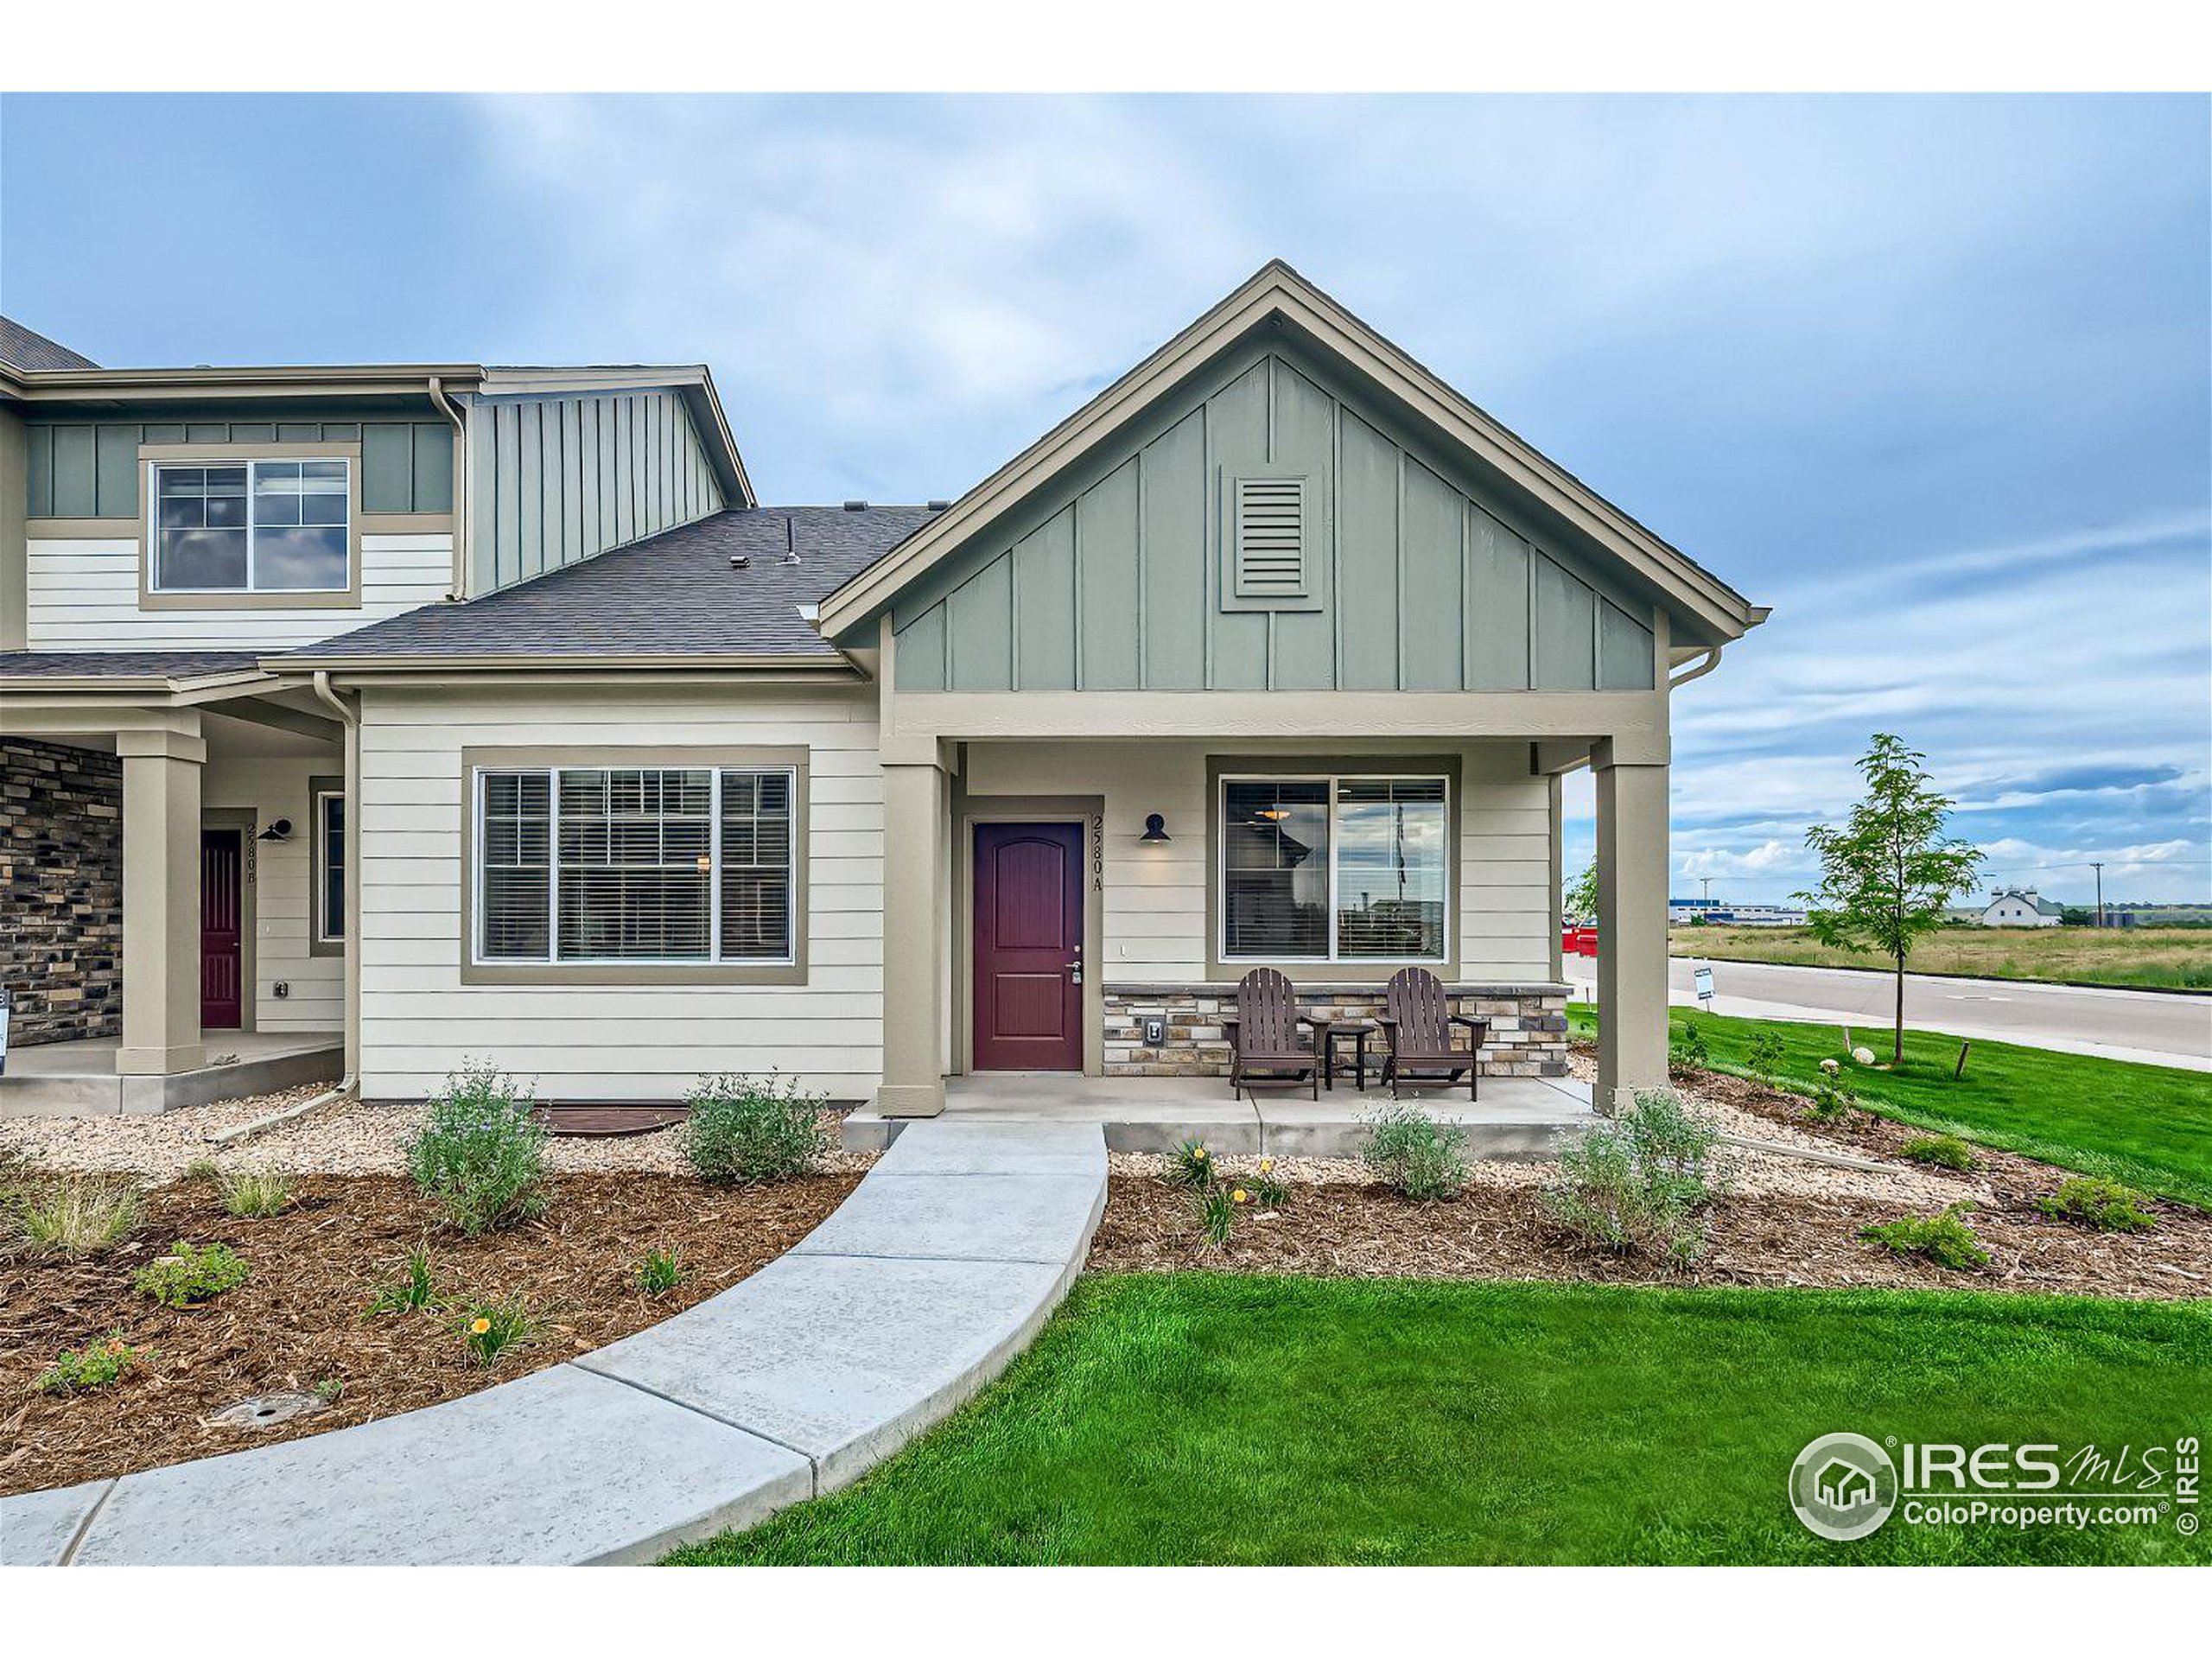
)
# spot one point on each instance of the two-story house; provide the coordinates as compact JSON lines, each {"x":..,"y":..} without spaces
{"x":435,"y":711}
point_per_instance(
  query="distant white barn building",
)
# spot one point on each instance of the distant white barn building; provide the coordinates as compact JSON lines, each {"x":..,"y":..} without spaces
{"x":2020,"y":907}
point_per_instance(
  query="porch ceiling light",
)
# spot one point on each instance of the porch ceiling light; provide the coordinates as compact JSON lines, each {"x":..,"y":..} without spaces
{"x":1273,"y":814}
{"x":1156,"y":828}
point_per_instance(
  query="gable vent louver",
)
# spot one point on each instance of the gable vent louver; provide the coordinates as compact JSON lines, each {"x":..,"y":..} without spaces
{"x":1270,"y":538}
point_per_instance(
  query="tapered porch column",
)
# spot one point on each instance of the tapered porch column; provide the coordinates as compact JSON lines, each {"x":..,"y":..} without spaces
{"x":915,"y":952}
{"x":161,"y":899}
{"x":1632,"y":866}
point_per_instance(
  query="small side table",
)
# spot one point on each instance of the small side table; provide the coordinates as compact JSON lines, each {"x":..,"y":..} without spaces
{"x":1359,"y":1031}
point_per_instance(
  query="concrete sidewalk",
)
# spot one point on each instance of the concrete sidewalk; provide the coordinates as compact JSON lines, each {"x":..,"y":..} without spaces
{"x":910,"y":1297}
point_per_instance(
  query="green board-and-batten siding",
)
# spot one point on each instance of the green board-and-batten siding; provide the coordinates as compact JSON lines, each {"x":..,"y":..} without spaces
{"x":556,"y":480}
{"x":89,"y":469}
{"x":1416,"y":578}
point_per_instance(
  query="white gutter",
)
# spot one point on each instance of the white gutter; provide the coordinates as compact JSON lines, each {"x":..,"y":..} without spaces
{"x":447,"y":408}
{"x":350,"y":717}
{"x":1710,"y":661}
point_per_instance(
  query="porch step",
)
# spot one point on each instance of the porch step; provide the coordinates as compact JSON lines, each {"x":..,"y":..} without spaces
{"x":1516,"y":1118}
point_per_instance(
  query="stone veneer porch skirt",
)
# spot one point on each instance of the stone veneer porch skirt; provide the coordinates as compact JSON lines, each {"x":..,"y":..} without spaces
{"x":1527,"y":1035}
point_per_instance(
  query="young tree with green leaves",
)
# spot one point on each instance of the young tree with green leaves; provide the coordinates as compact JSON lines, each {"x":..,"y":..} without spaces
{"x":1578,"y":900}
{"x":1889,"y":873}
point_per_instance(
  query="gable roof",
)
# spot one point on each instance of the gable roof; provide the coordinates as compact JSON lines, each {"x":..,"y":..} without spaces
{"x":24,"y":349}
{"x":2041,"y":905}
{"x":1278,"y":295}
{"x":673,"y":597}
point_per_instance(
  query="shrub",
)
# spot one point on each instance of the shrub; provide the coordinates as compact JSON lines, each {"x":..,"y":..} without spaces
{"x":1766,"y":1053}
{"x":1831,"y":1103}
{"x":1944,"y":1239}
{"x":253,"y":1193}
{"x":658,"y":1271}
{"x":93,"y":1366}
{"x":78,"y":1214}
{"x":1216,"y":1213}
{"x":1689,"y":1053}
{"x":187,"y":1277}
{"x":1194,"y":1165}
{"x":742,"y":1130}
{"x":1422,"y":1158}
{"x":1944,"y":1151}
{"x":2105,"y":1205}
{"x":481,"y":1154}
{"x":202,"y":1168}
{"x":489,"y":1328}
{"x":413,"y":1291}
{"x":1641,"y":1183}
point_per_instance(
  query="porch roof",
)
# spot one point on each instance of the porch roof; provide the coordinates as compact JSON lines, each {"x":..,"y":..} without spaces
{"x":135,"y":668}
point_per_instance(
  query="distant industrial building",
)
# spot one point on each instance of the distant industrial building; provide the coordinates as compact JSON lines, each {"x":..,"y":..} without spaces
{"x":1719,"y":910}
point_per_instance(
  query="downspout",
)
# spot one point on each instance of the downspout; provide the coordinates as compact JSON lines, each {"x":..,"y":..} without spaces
{"x":1710,"y":661}
{"x":350,"y":716}
{"x":452,"y":412}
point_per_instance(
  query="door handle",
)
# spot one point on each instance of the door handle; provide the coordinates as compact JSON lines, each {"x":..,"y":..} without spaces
{"x":1075,"y":973}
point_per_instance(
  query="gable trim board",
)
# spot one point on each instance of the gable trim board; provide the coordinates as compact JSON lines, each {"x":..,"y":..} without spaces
{"x":1278,"y":295}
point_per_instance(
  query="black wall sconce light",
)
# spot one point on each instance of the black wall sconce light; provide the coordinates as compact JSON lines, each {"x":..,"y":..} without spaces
{"x":1156,"y":828}
{"x":280,"y":830}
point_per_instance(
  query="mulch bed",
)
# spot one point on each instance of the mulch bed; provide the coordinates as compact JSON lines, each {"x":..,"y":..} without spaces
{"x":298,"y":1319}
{"x":1499,"y":1232}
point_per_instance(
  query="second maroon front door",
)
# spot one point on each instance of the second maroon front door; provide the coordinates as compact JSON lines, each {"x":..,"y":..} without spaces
{"x":1028,"y":947}
{"x":222,"y":930}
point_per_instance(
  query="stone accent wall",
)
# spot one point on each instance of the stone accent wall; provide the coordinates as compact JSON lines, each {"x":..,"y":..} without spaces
{"x":1526,"y":1036}
{"x":60,"y":891}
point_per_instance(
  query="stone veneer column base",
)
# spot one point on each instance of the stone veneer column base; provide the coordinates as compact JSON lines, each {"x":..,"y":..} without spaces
{"x":1526,"y":1036}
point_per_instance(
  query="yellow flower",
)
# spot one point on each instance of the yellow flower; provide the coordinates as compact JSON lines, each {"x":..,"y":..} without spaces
{"x":1266,"y":1164}
{"x":480,"y":1327}
{"x":1198,"y":1152}
{"x":1239,"y":1197}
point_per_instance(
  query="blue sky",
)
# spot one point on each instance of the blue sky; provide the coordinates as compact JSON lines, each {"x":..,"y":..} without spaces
{"x":1930,"y":375}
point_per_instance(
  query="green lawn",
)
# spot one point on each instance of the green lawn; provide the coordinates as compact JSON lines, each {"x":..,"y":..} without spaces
{"x":1215,"y":1418}
{"x":2149,"y":1126}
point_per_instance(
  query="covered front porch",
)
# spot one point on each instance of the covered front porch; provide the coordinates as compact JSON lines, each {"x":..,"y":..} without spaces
{"x":177,"y":880}
{"x":1514,"y":1118}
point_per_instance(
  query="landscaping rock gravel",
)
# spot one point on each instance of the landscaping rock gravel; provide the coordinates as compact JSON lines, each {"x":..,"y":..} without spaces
{"x":344,"y":1137}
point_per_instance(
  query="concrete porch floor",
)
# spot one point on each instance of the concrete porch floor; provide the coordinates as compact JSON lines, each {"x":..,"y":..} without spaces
{"x":1516,"y":1118}
{"x":78,"y":1079}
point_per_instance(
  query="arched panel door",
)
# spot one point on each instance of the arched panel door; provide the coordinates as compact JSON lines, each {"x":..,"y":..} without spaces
{"x":1028,"y":991}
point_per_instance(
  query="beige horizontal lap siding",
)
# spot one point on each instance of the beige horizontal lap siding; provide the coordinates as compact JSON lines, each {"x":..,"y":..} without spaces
{"x":597,"y":1042}
{"x":83,"y":595}
{"x":1155,"y":909}
{"x":283,"y":889}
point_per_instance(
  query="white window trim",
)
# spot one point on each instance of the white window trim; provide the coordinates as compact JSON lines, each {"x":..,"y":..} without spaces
{"x":552,"y":958}
{"x":253,"y":464}
{"x":1335,"y":958}
{"x":320,"y":866}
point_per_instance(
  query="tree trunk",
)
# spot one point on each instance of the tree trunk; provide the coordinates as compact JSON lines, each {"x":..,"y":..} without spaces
{"x":1897,"y":1046}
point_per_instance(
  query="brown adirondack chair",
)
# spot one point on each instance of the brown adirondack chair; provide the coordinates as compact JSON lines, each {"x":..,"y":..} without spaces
{"x":1264,"y":1041}
{"x":1417,"y":1023}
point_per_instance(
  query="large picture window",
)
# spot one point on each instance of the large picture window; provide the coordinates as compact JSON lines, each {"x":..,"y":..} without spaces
{"x":251,"y":526}
{"x":1338,"y":868}
{"x":636,"y":864}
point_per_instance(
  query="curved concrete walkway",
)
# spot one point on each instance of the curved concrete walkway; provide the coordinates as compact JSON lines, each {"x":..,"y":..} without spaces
{"x":910,"y":1297}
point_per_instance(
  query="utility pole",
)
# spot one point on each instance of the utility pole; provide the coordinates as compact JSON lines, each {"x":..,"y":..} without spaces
{"x":2100,"y":869}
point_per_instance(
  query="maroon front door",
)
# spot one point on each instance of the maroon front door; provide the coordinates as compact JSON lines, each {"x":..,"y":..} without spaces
{"x":222,"y":940}
{"x":1028,"y":947}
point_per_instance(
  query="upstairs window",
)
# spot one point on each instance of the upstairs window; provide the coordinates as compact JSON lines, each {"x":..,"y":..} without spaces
{"x":252,"y":527}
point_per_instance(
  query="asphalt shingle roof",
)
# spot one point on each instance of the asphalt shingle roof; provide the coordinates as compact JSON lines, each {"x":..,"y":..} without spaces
{"x":22,"y":349}
{"x":123,"y":664}
{"x":673,"y":594}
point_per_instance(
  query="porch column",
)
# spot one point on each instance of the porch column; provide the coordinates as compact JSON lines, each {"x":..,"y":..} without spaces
{"x":161,"y":899}
{"x":1632,"y":866}
{"x":916,"y":951}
